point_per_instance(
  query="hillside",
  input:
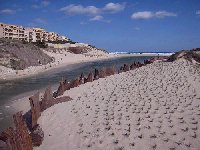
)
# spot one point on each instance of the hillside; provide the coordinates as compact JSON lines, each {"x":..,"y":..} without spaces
{"x":21,"y":59}
{"x":19,"y":55}
{"x":191,"y":55}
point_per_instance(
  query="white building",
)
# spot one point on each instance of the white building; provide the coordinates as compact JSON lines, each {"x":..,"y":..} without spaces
{"x":28,"y":34}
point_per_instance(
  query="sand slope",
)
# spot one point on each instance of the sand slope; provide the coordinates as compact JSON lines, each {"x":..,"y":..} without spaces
{"x":62,"y":58}
{"x":152,"y":107}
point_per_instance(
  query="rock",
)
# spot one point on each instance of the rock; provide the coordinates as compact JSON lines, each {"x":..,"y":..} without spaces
{"x":37,"y":136}
{"x":102,"y":73}
{"x":61,"y":88}
{"x":74,"y":83}
{"x":121,"y":69}
{"x":110,"y":71}
{"x":18,"y":138}
{"x":147,"y":62}
{"x":126,"y":68}
{"x":81,"y":80}
{"x":35,"y":108}
{"x":96,"y":74}
{"x":90,"y":77}
{"x":47,"y":100}
{"x":132,"y":66}
{"x":65,"y":85}
{"x":139,"y":64}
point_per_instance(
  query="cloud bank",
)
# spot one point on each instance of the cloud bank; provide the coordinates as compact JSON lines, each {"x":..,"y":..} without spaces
{"x":114,"y":7}
{"x":150,"y":14}
{"x":7,"y":11}
{"x":92,"y":10}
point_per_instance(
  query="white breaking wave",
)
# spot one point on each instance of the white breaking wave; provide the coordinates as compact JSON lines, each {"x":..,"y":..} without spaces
{"x":163,"y":54}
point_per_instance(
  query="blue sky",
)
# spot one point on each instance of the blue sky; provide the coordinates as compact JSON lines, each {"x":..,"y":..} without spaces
{"x":131,"y":25}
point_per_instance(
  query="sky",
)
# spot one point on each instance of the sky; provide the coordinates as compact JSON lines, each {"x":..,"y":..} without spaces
{"x":131,"y":25}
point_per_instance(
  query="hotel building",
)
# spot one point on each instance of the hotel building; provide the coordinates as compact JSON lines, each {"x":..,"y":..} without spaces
{"x":28,"y":34}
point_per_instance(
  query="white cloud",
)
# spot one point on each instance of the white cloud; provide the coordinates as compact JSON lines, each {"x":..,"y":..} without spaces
{"x":80,"y":10}
{"x":114,"y":7}
{"x":162,"y":14}
{"x":149,"y":14}
{"x":97,"y":18}
{"x":7,"y":11}
{"x":142,"y":15}
{"x":198,"y":12}
{"x":92,"y":10}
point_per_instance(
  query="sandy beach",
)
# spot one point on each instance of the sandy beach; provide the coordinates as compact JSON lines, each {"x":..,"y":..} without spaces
{"x":63,"y":58}
{"x":153,"y":107}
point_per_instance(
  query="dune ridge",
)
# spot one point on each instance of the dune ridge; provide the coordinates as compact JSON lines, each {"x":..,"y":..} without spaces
{"x":153,"y":107}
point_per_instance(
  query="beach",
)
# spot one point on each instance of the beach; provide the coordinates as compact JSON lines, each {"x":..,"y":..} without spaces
{"x":13,"y":92}
{"x":62,"y":59}
{"x":152,"y":107}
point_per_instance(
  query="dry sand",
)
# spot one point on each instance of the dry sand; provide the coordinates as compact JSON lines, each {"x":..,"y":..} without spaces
{"x":153,"y":107}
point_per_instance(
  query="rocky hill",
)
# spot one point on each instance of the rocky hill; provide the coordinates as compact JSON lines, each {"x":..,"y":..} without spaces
{"x":19,"y":55}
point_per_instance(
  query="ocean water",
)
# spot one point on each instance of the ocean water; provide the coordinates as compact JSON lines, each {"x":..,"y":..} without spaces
{"x":149,"y":53}
{"x":15,"y":89}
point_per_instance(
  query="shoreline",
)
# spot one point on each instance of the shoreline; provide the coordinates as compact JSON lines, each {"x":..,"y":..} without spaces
{"x":37,"y":70}
{"x":20,"y":102}
{"x":54,"y":87}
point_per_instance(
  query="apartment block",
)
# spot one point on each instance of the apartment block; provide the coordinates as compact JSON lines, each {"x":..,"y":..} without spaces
{"x":53,"y":36}
{"x":12,"y":32}
{"x":28,"y":34}
{"x":63,"y":38}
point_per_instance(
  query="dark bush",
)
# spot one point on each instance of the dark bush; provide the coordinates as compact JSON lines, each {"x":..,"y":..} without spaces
{"x":77,"y":50}
{"x":17,"y":64}
{"x":62,"y":42}
{"x":40,"y":44}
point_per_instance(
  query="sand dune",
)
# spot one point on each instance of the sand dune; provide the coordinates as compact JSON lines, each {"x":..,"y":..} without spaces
{"x":153,"y":107}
